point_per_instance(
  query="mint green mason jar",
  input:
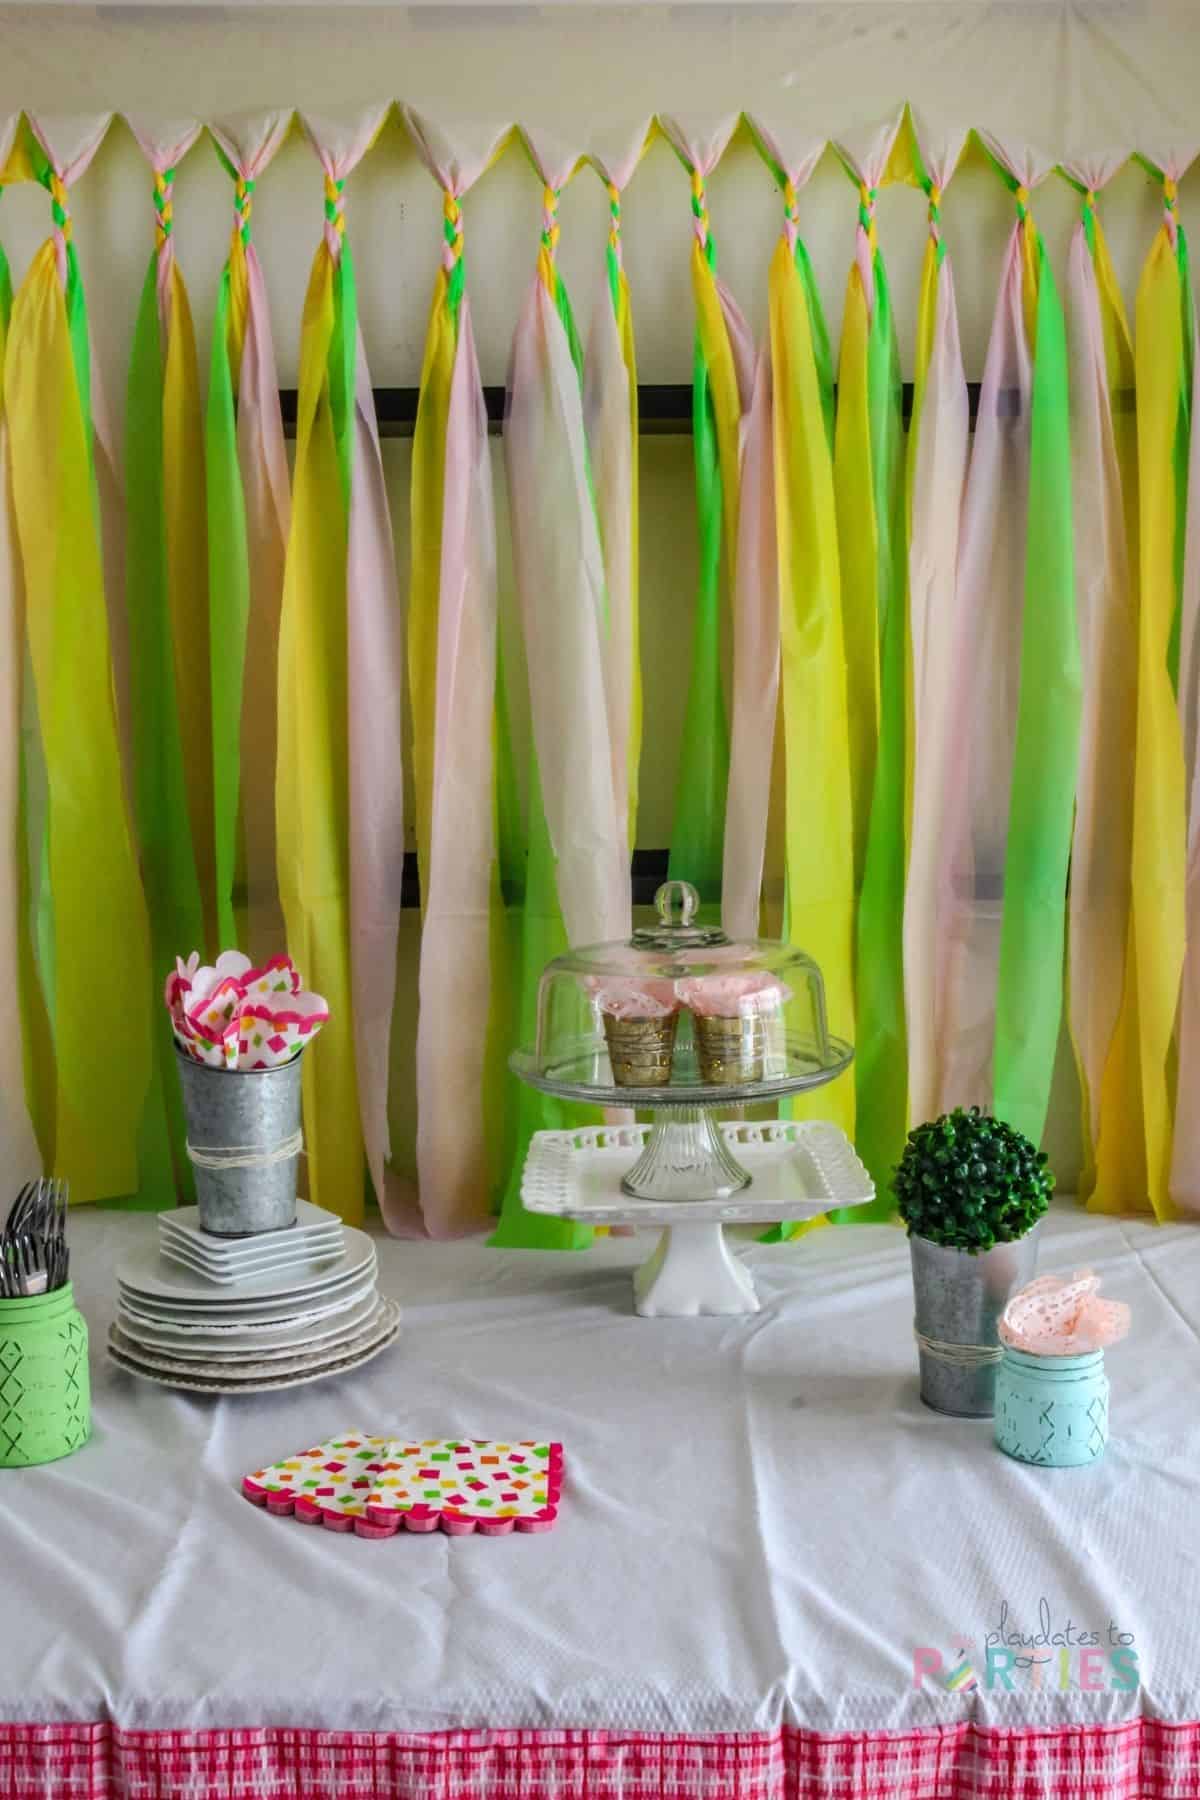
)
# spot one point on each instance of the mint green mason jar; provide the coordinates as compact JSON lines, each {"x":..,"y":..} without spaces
{"x":1052,"y":1410}
{"x":45,"y":1394}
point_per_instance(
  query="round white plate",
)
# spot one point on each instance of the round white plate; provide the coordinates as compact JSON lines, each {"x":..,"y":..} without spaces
{"x":293,"y":1362}
{"x":222,"y":1385}
{"x":146,"y":1272}
{"x":233,"y":1318}
{"x":259,"y":1341}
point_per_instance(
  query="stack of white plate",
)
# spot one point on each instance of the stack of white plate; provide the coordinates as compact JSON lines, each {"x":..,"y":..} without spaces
{"x":271,"y":1329}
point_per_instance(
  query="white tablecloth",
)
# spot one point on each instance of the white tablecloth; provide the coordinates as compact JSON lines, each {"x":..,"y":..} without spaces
{"x":760,"y":1521}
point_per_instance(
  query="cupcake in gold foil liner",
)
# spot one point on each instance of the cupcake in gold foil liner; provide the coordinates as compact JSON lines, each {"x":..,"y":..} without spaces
{"x":734,"y":1020}
{"x":640,"y":1022}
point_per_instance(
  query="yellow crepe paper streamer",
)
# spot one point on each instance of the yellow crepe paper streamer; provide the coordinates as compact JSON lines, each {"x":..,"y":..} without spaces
{"x":1139,"y":1078}
{"x":312,"y":781}
{"x":101,"y":970}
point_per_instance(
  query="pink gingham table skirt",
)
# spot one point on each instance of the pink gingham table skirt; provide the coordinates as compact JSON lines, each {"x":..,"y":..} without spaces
{"x":1142,"y":1760}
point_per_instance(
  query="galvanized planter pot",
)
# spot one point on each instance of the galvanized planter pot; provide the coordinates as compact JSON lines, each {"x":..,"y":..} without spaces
{"x":244,"y":1116}
{"x":959,"y":1300}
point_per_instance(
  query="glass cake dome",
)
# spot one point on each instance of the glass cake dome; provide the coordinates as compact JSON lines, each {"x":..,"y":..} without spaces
{"x":681,"y":1015}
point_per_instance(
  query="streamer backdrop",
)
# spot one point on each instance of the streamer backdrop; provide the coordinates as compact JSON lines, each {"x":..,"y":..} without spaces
{"x":962,"y":666}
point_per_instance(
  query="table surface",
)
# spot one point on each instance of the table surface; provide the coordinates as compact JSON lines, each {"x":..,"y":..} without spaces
{"x":760,"y":1521}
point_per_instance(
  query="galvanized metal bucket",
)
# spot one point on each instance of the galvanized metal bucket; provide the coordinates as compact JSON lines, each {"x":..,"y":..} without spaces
{"x":959,"y":1300}
{"x":241,"y":1124}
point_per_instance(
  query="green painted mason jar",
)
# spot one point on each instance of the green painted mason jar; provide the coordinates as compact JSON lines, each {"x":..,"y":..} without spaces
{"x":45,"y":1395}
{"x":1052,"y":1410}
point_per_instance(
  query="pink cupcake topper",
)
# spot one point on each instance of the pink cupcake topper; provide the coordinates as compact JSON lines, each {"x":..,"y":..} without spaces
{"x":733,"y":996}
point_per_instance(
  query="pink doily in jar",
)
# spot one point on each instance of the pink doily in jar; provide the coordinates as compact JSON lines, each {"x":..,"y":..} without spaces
{"x":1060,"y":1316}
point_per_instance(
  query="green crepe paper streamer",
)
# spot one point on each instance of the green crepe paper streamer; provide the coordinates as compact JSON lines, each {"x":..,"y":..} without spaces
{"x":342,"y":354}
{"x":562,"y":302}
{"x":160,"y":791}
{"x":1181,"y":450}
{"x":697,"y":842}
{"x":228,"y":611}
{"x":1029,"y":988}
{"x":881,"y":1074}
{"x":819,"y":332}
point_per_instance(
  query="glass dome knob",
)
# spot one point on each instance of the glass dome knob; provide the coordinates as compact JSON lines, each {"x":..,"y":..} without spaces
{"x":676,"y":903}
{"x":676,"y":929}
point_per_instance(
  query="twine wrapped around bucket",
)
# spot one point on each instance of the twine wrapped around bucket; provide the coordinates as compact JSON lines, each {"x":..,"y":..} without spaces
{"x":641,"y":1051}
{"x":730,"y":1050}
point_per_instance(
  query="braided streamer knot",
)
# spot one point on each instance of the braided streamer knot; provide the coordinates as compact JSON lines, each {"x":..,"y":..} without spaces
{"x":164,"y":212}
{"x":614,"y":219}
{"x":243,"y":206}
{"x":452,"y":233}
{"x":791,"y":213}
{"x":867,"y":196}
{"x":550,"y":226}
{"x":60,"y":212}
{"x":335,"y":215}
{"x":1171,"y":208}
{"x":700,"y":214}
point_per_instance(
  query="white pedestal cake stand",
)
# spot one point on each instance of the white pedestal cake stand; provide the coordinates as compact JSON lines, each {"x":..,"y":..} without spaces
{"x":685,"y":1173}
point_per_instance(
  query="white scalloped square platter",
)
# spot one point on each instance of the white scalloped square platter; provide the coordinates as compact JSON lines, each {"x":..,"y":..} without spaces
{"x":799,"y":1168}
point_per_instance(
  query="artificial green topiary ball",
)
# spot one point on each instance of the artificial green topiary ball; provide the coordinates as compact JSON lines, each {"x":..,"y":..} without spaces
{"x":969,"y":1181}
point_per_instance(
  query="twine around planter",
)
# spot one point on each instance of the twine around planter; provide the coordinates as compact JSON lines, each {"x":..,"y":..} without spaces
{"x":960,"y":1356}
{"x":246,"y":1156}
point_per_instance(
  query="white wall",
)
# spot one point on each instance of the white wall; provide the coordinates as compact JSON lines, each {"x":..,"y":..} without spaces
{"x":1063,"y":76}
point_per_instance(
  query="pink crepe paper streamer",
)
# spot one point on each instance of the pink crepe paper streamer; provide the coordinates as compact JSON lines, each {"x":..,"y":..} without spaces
{"x":756,"y":642}
{"x":375,"y":680}
{"x":164,"y":147}
{"x":733,"y":996}
{"x":560,"y":580}
{"x":1054,"y":1316}
{"x":249,"y":146}
{"x":937,"y":487}
{"x":1185,"y":1157}
{"x":606,"y":406}
{"x":989,"y":608}
{"x":455,"y":976}
{"x":70,"y":143}
{"x":1102,"y":846}
{"x":455,"y":965}
{"x":18,"y":1146}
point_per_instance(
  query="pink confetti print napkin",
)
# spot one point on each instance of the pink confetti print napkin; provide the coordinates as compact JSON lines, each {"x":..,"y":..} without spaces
{"x":234,"y":1016}
{"x":374,"y":1486}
